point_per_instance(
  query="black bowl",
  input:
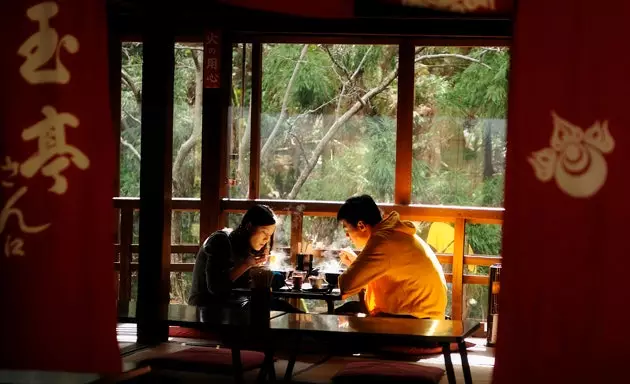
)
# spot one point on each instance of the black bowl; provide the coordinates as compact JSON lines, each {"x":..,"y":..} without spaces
{"x":332,"y":278}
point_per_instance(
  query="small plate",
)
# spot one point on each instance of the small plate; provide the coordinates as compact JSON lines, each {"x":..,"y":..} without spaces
{"x":309,"y":288}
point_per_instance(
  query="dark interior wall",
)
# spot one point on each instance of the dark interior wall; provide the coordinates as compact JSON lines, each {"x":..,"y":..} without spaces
{"x":190,"y":17}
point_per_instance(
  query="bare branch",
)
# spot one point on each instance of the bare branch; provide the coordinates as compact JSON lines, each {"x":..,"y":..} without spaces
{"x":332,"y":58}
{"x":132,"y":117}
{"x":304,"y":114}
{"x":302,"y":150}
{"x":455,"y":55}
{"x":133,"y":149}
{"x":137,"y":93}
{"x":356,"y":71}
{"x":285,"y":102}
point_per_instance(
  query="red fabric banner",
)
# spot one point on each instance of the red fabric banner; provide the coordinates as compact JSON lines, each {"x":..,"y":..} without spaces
{"x":460,"y":6}
{"x":563,"y":290}
{"x":56,"y":173}
{"x":212,"y":59}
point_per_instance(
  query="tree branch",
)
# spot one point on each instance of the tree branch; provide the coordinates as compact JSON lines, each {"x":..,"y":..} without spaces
{"x":132,"y":117}
{"x":137,"y":93}
{"x":335,"y":127}
{"x":301,"y":148}
{"x":285,"y":102}
{"x":330,"y":55}
{"x":455,"y":55}
{"x":356,"y":71}
{"x":133,"y":149}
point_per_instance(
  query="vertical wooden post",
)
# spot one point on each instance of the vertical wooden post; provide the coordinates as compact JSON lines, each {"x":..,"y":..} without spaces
{"x":155,"y":175}
{"x":254,"y":157}
{"x":214,"y":134}
{"x":126,"y":234}
{"x":297,"y":219}
{"x":404,"y":132}
{"x":458,"y":269}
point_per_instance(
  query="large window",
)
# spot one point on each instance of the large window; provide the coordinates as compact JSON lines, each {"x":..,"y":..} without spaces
{"x":459,"y":125}
{"x":328,"y":124}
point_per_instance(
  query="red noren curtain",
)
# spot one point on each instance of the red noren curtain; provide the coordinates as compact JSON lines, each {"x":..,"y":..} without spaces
{"x":56,"y":171}
{"x":564,"y":292}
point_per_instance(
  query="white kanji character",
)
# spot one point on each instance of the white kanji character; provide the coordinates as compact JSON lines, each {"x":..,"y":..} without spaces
{"x":10,"y":166}
{"x":13,"y":247}
{"x":212,"y":77}
{"x":51,"y":140}
{"x":212,"y":38}
{"x":40,"y":47}
{"x":9,"y":209}
{"x":212,"y":64}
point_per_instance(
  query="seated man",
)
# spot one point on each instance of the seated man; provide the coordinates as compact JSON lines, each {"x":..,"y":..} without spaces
{"x":402,"y":274}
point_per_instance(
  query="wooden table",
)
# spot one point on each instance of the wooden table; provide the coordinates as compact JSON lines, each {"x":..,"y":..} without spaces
{"x":195,"y":317}
{"x":378,"y":331}
{"x":328,"y":297}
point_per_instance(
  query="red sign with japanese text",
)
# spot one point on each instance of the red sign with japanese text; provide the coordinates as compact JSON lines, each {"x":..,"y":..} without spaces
{"x":212,"y":60}
{"x":56,"y":173}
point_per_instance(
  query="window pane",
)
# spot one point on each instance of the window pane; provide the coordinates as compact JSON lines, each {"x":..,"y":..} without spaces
{"x":483,"y":239}
{"x":328,"y":124}
{"x":459,"y":125}
{"x":180,"y":287}
{"x":130,"y":115}
{"x":187,"y":112}
{"x":324,"y":232}
{"x":185,"y":227}
{"x":241,"y":120}
{"x":475,"y":302}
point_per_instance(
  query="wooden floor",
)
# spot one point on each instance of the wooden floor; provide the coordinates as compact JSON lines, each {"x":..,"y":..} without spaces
{"x":308,"y":369}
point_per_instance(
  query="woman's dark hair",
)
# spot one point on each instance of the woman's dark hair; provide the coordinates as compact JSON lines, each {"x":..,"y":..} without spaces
{"x":256,"y":216}
{"x":360,"y":208}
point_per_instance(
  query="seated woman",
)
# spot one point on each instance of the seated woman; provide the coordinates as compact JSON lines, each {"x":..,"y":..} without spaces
{"x":224,"y":260}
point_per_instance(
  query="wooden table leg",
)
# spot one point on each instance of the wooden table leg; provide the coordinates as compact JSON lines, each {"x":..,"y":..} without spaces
{"x":465,"y":366}
{"x":450,"y":372}
{"x":331,"y":306}
{"x":237,"y":366}
{"x":268,"y":369}
{"x":288,"y":374}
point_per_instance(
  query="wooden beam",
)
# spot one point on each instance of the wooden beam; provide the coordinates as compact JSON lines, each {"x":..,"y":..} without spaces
{"x":458,"y":270}
{"x":115,"y":64}
{"x":418,"y":212}
{"x":404,"y":130}
{"x":191,"y":204}
{"x":155,"y":176}
{"x":254,"y":154}
{"x":297,"y":220}
{"x":126,"y":235}
{"x":214,"y":141}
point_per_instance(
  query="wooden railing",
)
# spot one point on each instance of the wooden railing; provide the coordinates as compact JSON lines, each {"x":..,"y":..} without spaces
{"x":296,"y":209}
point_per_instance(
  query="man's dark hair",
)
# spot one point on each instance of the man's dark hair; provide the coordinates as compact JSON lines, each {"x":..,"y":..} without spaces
{"x":360,"y":208}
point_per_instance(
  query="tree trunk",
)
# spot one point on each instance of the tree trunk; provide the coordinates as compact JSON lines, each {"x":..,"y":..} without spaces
{"x":488,"y":169}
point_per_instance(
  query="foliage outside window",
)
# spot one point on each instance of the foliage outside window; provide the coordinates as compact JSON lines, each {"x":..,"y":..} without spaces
{"x":326,"y":110}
